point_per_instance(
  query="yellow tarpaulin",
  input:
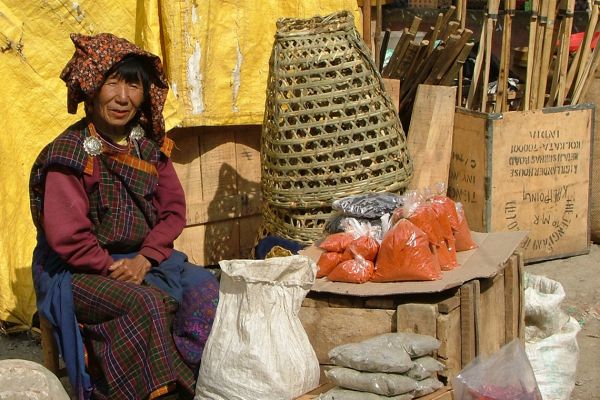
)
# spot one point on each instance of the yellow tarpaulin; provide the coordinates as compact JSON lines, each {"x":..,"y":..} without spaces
{"x":216,"y":54}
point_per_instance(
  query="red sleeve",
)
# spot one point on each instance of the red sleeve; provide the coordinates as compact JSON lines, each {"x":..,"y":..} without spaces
{"x":169,"y":200}
{"x":66,"y":224}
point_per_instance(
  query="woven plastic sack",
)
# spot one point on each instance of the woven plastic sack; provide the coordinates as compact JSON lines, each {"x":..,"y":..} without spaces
{"x":550,"y":337}
{"x":257,"y":348}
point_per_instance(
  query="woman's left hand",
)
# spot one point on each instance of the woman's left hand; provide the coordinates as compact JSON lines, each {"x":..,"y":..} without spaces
{"x":130,"y":269}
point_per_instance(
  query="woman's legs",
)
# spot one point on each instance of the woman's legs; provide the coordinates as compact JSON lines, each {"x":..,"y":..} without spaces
{"x":126,"y":326}
{"x":196,"y":313}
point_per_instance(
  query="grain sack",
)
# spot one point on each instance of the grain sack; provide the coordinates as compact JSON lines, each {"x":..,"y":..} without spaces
{"x":258,"y":348}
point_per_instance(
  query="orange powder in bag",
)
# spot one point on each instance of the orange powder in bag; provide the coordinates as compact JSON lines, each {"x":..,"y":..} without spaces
{"x":464,"y":240}
{"x":337,"y":242}
{"x":356,"y":270}
{"x":364,"y":246}
{"x":425,"y":218}
{"x":404,"y":255}
{"x":327,"y":262}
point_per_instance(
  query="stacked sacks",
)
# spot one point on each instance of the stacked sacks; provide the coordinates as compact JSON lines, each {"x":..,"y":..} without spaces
{"x":392,"y":366}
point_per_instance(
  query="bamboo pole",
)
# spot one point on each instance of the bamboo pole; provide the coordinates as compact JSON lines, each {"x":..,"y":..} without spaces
{"x":539,"y":41}
{"x":462,"y":17}
{"x":589,"y":68}
{"x":378,"y":23}
{"x":366,"y":8}
{"x":546,"y":54}
{"x":493,"y":6}
{"x":563,"y":57}
{"x":577,"y":63}
{"x":448,"y":79}
{"x":476,"y":69}
{"x":502,"y":84}
{"x":531,"y":52}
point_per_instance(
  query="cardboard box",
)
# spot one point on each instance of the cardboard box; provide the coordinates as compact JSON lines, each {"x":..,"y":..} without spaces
{"x":474,"y":309}
{"x":526,"y":171}
{"x":219,"y":168}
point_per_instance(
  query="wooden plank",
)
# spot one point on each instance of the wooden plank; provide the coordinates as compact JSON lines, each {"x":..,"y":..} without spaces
{"x":429,"y":138}
{"x":204,"y":244}
{"x":467,"y":323}
{"x":392,"y":87}
{"x":447,"y":305}
{"x":330,"y":327}
{"x":449,"y":335}
{"x":466,"y":180}
{"x":417,"y":318}
{"x":511,"y":298}
{"x":521,"y":296}
{"x":491,"y":332}
{"x":477,"y":314}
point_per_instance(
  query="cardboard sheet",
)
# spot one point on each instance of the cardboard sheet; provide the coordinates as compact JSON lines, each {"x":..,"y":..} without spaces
{"x":484,"y":262}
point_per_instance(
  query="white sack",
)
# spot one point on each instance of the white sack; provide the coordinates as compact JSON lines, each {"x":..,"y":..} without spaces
{"x":258,"y":348}
{"x":550,"y":338}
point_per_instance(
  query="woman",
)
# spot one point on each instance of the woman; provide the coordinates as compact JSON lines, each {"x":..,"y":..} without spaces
{"x":108,"y":205}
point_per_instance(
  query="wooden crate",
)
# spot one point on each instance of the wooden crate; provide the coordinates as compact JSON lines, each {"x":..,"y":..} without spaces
{"x":219,"y":168}
{"x":526,"y":171}
{"x":476,"y":318}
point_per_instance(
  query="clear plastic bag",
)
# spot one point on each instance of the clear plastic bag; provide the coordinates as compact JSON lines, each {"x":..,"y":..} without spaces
{"x":506,"y":374}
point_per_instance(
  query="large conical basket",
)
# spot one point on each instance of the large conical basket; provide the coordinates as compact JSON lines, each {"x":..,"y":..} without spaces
{"x":329,"y":131}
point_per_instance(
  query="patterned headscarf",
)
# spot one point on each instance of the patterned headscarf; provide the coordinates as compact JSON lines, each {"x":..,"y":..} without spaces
{"x":93,"y":57}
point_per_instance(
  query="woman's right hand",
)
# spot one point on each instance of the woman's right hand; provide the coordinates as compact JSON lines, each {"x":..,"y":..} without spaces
{"x":130,"y":269}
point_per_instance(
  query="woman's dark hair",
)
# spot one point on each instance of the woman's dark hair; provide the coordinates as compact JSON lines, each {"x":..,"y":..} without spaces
{"x":133,"y":69}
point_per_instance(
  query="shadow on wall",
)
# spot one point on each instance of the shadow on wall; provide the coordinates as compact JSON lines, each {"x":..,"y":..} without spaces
{"x":219,"y":168}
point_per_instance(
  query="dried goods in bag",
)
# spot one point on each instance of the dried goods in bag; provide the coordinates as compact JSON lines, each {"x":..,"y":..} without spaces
{"x":328,"y":261}
{"x":373,"y":382}
{"x":337,"y":241}
{"x":462,"y":234}
{"x":405,"y":255}
{"x":356,"y":270}
{"x":364,"y":246}
{"x":258,"y":348}
{"x":425,"y":367}
{"x":338,"y":393}
{"x":368,"y":205}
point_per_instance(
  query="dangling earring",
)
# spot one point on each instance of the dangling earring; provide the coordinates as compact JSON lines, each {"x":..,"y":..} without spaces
{"x":137,"y":132}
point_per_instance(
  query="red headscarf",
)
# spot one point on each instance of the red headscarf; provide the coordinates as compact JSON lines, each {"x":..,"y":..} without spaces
{"x":93,"y":57}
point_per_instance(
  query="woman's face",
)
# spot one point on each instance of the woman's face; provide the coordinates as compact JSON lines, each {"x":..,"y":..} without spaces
{"x":116,"y":104}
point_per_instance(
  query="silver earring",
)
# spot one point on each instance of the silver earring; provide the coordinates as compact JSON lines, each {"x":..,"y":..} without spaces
{"x":137,"y":132}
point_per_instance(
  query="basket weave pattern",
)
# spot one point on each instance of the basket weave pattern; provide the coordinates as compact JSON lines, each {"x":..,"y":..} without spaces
{"x":330,"y":130}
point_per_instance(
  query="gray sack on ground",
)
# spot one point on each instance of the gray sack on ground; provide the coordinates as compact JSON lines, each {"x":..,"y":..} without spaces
{"x":345,"y":394}
{"x":371,"y":382}
{"x":425,"y":367}
{"x":427,"y":386}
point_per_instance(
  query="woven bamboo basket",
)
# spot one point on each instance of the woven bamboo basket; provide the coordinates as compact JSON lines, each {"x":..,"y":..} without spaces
{"x":330,"y":130}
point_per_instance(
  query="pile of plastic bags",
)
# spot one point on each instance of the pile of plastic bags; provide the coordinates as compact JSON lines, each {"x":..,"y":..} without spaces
{"x":382,"y":237}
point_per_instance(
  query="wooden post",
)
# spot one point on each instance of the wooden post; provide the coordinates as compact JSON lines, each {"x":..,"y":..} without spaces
{"x":492,"y":17}
{"x":366,"y":7}
{"x":547,"y":49}
{"x":531,"y":53}
{"x":378,"y":22}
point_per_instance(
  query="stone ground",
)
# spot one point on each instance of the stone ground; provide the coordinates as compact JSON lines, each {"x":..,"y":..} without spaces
{"x":580,"y":277}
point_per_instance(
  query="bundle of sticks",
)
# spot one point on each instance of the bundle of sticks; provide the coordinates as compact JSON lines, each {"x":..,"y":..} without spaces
{"x":554,"y":76}
{"x":435,"y":59}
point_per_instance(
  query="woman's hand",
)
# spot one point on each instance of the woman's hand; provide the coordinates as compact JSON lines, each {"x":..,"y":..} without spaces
{"x":130,"y":269}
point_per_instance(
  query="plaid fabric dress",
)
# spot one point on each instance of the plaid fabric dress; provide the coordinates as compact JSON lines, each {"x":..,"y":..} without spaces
{"x":141,"y":340}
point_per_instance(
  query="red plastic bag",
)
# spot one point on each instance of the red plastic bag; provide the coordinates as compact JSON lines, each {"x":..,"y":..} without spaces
{"x":405,"y":255}
{"x":364,"y":246}
{"x":464,"y":240}
{"x":328,"y":261}
{"x":356,"y":270}
{"x":337,"y":242}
